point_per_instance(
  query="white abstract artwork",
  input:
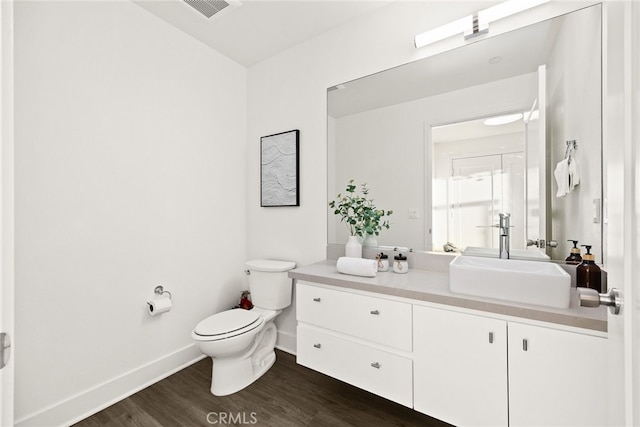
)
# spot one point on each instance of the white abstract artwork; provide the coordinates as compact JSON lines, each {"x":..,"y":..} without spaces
{"x":279,"y":166}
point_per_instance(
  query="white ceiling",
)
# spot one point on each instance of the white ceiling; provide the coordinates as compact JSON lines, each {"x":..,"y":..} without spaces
{"x":258,"y":29}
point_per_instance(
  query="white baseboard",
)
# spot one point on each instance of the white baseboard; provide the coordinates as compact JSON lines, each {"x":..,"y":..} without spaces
{"x":106,"y":394}
{"x":286,"y":342}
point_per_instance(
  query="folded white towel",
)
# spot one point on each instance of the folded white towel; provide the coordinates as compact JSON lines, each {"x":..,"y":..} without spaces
{"x":574,"y":174}
{"x":561,"y":173}
{"x":357,"y":266}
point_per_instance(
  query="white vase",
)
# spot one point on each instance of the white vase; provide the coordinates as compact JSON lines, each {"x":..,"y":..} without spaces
{"x":353,"y":247}
{"x":370,"y":241}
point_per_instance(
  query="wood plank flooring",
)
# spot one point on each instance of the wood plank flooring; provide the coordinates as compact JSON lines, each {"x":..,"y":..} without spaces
{"x":287,"y":395}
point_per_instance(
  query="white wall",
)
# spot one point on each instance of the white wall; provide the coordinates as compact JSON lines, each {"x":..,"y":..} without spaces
{"x":288,"y":91}
{"x":573,"y":71}
{"x":130,"y":172}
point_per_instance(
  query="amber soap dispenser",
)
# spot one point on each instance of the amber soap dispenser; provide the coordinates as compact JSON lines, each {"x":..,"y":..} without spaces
{"x":588,"y":274}
{"x":574,"y":255}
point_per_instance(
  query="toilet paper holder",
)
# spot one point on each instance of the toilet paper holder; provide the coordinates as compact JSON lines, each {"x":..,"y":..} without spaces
{"x":159,"y":304}
{"x":159,"y":290}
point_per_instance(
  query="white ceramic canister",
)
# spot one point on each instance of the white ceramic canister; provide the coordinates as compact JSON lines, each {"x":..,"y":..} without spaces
{"x":400,"y":264}
{"x":383,"y":261}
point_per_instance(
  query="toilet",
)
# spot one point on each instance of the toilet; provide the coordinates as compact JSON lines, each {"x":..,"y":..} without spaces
{"x":241,"y":342}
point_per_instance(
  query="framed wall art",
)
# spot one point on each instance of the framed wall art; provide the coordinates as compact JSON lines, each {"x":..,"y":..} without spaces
{"x":279,"y":169}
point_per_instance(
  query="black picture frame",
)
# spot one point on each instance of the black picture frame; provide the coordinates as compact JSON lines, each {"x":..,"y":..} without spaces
{"x":279,"y":169}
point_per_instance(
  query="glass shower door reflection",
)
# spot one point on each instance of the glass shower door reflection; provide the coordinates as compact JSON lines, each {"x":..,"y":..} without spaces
{"x":475,"y":196}
{"x":479,"y":189}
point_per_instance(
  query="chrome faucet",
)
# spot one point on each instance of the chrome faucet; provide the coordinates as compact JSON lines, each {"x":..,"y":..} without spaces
{"x":503,"y":229}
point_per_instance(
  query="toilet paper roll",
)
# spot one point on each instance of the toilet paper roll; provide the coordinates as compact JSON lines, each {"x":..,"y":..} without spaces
{"x":159,"y":305}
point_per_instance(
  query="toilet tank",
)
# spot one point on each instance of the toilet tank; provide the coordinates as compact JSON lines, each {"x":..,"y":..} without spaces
{"x":269,"y":283}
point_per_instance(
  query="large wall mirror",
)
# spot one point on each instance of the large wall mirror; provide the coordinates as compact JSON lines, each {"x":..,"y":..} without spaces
{"x":511,"y":123}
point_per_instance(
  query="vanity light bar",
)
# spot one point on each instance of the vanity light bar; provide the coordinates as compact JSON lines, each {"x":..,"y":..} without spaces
{"x":460,"y":26}
{"x":477,"y":24}
{"x":502,"y":10}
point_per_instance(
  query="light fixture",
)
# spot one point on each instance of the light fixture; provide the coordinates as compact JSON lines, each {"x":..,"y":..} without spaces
{"x":502,"y":120}
{"x":474,"y":25}
{"x":451,"y":29}
{"x":502,"y":10}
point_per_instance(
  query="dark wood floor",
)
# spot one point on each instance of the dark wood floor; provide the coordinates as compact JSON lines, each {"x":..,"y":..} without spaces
{"x":287,"y":395}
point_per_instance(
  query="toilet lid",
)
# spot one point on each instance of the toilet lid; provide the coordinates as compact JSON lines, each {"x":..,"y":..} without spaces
{"x":230,"y":321}
{"x":270,"y":265}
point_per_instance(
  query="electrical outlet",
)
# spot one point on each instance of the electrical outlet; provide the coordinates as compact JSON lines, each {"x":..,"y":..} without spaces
{"x":413,"y":213}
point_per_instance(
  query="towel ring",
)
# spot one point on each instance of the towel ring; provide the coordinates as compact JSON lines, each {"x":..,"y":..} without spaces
{"x":159,"y":290}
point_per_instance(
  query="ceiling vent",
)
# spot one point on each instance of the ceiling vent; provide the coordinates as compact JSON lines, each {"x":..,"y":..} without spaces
{"x":207,"y":7}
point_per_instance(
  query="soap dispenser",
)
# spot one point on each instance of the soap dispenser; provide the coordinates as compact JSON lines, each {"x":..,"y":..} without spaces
{"x":574,"y":255}
{"x":588,"y":274}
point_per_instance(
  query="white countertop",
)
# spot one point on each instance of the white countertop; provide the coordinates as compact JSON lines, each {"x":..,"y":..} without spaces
{"x":433,"y":286}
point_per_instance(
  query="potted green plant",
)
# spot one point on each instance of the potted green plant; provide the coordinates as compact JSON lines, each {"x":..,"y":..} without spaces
{"x":362,"y":218}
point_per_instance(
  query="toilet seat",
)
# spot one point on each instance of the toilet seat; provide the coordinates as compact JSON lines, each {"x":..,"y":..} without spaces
{"x":227,"y":324}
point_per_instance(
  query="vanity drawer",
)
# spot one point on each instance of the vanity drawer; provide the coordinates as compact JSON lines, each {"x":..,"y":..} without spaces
{"x":374,"y":319}
{"x":385,"y":374}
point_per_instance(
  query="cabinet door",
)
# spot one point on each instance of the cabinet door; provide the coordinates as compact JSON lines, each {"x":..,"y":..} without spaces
{"x":556,"y":378}
{"x":460,"y":367}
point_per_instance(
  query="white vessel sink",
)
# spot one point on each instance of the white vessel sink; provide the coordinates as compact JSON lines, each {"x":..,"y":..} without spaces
{"x":521,"y":254}
{"x":531,"y":282}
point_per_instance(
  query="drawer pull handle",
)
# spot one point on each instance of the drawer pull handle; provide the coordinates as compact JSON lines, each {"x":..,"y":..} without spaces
{"x":375,"y":365}
{"x":525,"y":344}
{"x":316,"y":299}
{"x":317,"y":345}
{"x":375,"y":312}
{"x":490,"y":337}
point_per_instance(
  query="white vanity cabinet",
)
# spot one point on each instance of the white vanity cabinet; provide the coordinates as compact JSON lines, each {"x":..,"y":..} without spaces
{"x":556,"y":378}
{"x":475,"y":370}
{"x":460,"y":367}
{"x":465,"y":360}
{"x":362,"y":340}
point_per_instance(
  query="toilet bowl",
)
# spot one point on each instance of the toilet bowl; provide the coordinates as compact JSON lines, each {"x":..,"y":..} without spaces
{"x":241,"y":342}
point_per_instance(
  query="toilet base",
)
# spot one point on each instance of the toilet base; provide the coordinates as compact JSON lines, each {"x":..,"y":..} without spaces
{"x":230,"y":375}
